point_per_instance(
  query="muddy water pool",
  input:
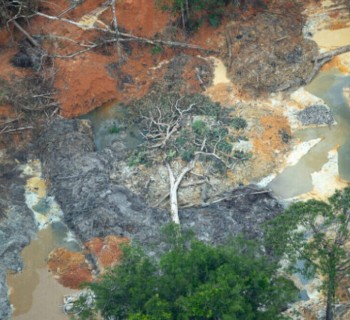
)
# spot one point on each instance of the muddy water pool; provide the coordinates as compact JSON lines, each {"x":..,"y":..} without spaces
{"x":107,"y":126}
{"x":296,"y":180}
{"x":34,"y":293}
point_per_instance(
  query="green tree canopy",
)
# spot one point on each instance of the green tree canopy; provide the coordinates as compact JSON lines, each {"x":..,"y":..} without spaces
{"x":317,"y":233}
{"x":193,"y":12}
{"x":192,"y":281}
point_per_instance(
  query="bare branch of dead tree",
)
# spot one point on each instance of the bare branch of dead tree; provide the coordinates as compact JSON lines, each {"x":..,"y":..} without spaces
{"x":323,"y":58}
{"x":116,"y":30}
{"x":128,"y":36}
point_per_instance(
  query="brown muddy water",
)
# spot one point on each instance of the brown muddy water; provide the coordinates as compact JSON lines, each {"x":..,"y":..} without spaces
{"x":34,"y":293}
{"x":296,"y":180}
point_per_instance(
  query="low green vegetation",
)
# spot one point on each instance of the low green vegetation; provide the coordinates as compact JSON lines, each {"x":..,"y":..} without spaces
{"x":157,"y":49}
{"x":239,"y":123}
{"x":192,"y":280}
{"x":115,"y":129}
{"x":316,"y":233}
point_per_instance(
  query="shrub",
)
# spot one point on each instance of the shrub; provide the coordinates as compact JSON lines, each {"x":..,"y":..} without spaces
{"x":157,"y":49}
{"x":187,"y":155}
{"x":200,"y":128}
{"x":224,"y":146}
{"x":239,"y":123}
{"x":114,"y":129}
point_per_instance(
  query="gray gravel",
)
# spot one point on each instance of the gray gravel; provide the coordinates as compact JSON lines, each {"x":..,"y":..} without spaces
{"x":316,"y":115}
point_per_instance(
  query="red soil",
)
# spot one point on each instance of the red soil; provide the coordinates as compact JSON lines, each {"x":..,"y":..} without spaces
{"x":85,"y":81}
{"x":107,"y":250}
{"x":69,"y":268}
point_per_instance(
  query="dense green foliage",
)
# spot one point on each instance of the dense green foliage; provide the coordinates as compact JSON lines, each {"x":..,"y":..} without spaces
{"x":193,"y":281}
{"x":194,"y":12}
{"x":316,"y":233}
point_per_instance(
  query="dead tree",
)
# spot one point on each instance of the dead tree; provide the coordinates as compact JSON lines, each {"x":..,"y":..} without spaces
{"x":175,"y":135}
{"x":116,"y":30}
{"x":323,"y":58}
{"x":174,"y":186}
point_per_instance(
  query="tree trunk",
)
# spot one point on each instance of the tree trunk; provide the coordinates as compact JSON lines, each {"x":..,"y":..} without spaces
{"x":116,"y":29}
{"x":174,"y":207}
{"x":329,"y":310}
{"x":187,"y":10}
{"x":174,"y":186}
{"x":331,"y":286}
{"x":183,"y":17}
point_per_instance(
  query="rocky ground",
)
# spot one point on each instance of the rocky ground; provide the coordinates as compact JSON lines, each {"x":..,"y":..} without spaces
{"x":17,"y":225}
{"x":95,"y":206}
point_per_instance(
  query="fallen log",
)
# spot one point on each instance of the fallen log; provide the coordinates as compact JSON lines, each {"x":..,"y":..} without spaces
{"x":323,"y":58}
{"x":318,"y":61}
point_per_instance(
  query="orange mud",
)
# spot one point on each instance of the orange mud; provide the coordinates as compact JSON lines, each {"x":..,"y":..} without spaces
{"x":5,"y":36}
{"x":69,"y":268}
{"x":107,"y":250}
{"x":89,"y":80}
{"x":7,"y":113}
{"x":268,"y":146}
{"x":224,"y":93}
{"x":85,"y":83}
{"x":141,"y":17}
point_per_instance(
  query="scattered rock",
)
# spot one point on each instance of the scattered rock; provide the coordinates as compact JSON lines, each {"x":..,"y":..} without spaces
{"x":316,"y":115}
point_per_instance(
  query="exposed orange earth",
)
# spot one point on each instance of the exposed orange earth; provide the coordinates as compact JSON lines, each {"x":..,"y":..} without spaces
{"x":71,"y":269}
{"x":107,"y":251}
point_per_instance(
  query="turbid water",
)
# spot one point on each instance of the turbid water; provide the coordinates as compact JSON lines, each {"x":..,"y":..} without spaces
{"x":34,"y":293}
{"x":107,"y":126}
{"x":296,"y":180}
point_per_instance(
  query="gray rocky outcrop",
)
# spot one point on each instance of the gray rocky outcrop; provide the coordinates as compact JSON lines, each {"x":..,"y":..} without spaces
{"x":17,"y":227}
{"x":95,"y":206}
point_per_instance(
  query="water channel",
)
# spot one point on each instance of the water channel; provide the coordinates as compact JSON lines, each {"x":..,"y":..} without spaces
{"x":296,"y":180}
